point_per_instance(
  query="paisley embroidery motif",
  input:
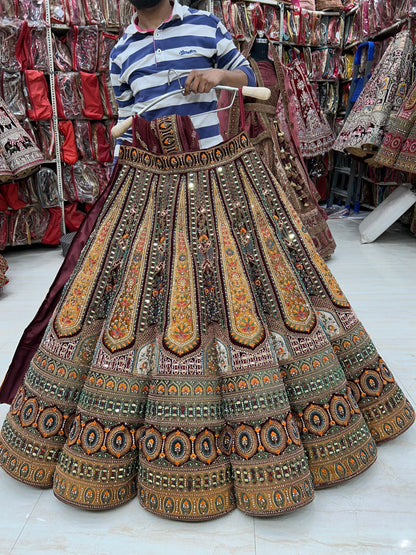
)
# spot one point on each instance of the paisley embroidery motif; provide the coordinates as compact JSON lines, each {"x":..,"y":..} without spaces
{"x":74,"y":305}
{"x":121,"y":328}
{"x":294,"y":304}
{"x":245,"y":325}
{"x":182,"y":333}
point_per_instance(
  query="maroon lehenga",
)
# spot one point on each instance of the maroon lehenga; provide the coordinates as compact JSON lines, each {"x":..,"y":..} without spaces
{"x":398,"y":149}
{"x":195,"y":350}
{"x":382,"y":96}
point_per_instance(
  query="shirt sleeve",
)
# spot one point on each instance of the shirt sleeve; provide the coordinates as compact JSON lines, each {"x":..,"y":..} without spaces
{"x":124,"y":97}
{"x":228,"y":57}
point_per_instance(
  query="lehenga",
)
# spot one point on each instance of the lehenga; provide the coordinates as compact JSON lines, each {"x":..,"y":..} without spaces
{"x":363,"y":130}
{"x":398,"y":149}
{"x":19,"y":155}
{"x":314,"y":132}
{"x":271,"y":127}
{"x":201,"y":355}
{"x":3,"y":269}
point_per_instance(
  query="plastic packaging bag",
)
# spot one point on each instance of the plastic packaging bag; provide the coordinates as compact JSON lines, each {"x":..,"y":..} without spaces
{"x":125,"y":12}
{"x":83,"y":43}
{"x":106,"y":43}
{"x":82,"y":130}
{"x":11,"y":88}
{"x":32,"y":10}
{"x":68,"y":100}
{"x":92,"y":107}
{"x":62,"y":54}
{"x":38,"y":58}
{"x":271,"y":23}
{"x":38,"y":95}
{"x":100,"y":142}
{"x":28,"y":190}
{"x":110,"y":12}
{"x":93,"y":12}
{"x":47,"y":187}
{"x":58,"y":12}
{"x":46,"y":138}
{"x":27,"y":225}
{"x":7,"y":9}
{"x":4,"y":229}
{"x":69,"y":153}
{"x":108,"y":99}
{"x":80,"y":182}
{"x":10,"y":40}
{"x":76,"y":14}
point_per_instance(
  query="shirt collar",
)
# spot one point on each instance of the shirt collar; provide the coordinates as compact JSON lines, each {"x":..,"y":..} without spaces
{"x":178,"y":12}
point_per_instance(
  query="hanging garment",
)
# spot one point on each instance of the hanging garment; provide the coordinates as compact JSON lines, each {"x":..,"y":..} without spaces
{"x":398,"y":149}
{"x":17,"y":149}
{"x":314,"y":133}
{"x":69,"y":152}
{"x":3,"y":269}
{"x":275,"y":145}
{"x":39,"y":104}
{"x":6,"y":174}
{"x":362,"y":132}
{"x":201,"y":354}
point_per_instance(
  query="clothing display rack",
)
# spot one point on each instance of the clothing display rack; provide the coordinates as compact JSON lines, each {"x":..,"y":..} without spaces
{"x":354,"y":184}
{"x":66,"y":42}
{"x":314,"y":37}
{"x":326,"y":41}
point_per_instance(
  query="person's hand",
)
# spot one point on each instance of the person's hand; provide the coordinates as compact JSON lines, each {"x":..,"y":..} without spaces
{"x":202,"y":80}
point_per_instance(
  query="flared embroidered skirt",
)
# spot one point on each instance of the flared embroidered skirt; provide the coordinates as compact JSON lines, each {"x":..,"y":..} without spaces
{"x":398,"y":149}
{"x":202,"y":356}
{"x":19,"y":155}
{"x":382,"y":96}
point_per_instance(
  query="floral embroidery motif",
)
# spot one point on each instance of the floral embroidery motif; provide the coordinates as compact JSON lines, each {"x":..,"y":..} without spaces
{"x":70,"y":316}
{"x":293,"y":301}
{"x":182,"y":334}
{"x":245,"y":325}
{"x":332,"y":329}
{"x":120,"y":332}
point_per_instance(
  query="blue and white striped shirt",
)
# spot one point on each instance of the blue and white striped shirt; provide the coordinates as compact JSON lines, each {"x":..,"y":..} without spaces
{"x":144,"y":62}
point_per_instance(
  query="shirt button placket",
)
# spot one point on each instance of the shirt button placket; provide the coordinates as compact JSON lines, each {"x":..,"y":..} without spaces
{"x":158,"y":50}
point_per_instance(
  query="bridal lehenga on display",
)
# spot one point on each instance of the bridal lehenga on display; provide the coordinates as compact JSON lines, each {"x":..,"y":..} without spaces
{"x":196,"y":352}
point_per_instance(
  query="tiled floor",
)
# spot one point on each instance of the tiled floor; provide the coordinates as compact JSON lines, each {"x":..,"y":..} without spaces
{"x":373,"y":514}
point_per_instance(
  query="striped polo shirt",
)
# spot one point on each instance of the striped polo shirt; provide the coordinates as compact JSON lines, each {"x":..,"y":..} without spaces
{"x":147,"y":64}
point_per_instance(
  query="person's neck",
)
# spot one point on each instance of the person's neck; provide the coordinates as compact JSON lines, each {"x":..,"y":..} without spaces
{"x":151,"y":18}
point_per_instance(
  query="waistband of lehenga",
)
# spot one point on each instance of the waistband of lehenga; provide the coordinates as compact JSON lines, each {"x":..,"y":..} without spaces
{"x":186,"y":161}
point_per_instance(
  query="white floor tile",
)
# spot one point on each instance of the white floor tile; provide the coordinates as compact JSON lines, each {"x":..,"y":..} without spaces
{"x":373,"y":514}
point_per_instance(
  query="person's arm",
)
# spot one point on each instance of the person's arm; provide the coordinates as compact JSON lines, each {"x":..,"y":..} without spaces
{"x":203,"y":80}
{"x":230,"y":67}
{"x":124,"y":97}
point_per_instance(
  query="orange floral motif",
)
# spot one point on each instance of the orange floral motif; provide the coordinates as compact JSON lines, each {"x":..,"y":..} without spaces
{"x":181,"y":335}
{"x":69,"y":318}
{"x":121,"y":329}
{"x":246,"y":327}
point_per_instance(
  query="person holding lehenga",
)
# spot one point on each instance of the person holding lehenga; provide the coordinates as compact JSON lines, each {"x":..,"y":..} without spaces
{"x":194,"y":350}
